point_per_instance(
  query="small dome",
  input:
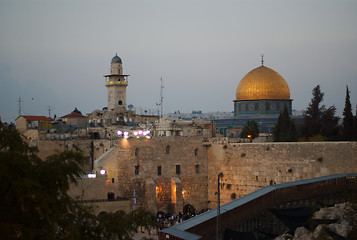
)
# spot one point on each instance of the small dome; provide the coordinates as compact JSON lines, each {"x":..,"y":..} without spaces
{"x":116,"y":59}
{"x":262,"y":83}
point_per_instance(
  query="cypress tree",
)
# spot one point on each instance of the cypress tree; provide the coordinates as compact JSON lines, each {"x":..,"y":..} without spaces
{"x":347,"y":124}
{"x":285,"y":129}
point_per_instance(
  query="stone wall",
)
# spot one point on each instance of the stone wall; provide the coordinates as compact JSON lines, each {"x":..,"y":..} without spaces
{"x":135,"y":160}
{"x":246,"y":167}
{"x":48,"y":147}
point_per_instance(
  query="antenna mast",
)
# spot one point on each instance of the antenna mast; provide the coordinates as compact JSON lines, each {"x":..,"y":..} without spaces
{"x":161,"y":103}
{"x":49,"y":111}
{"x":162,"y":97}
{"x":19,"y":104}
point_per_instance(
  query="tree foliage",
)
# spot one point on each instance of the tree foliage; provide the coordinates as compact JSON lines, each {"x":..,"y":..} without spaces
{"x":348,"y":131}
{"x":34,"y":203}
{"x":318,"y":120}
{"x":285,"y":129}
{"x":250,"y":129}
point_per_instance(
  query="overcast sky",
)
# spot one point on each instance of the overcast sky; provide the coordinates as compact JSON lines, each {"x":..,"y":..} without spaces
{"x":55,"y":53}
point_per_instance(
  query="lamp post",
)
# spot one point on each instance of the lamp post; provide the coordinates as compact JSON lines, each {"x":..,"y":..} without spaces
{"x":218,"y":210}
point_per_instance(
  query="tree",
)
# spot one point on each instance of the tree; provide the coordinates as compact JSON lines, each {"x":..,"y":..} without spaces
{"x":116,"y":226}
{"x":143,"y":218}
{"x":34,"y":203}
{"x":251,"y":129}
{"x":318,"y":120}
{"x":348,"y":119}
{"x":285,"y":129}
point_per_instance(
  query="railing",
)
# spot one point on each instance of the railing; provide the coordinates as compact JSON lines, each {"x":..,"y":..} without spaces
{"x":102,"y":200}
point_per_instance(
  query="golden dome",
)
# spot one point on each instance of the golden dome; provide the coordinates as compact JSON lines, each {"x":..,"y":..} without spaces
{"x":262,"y":83}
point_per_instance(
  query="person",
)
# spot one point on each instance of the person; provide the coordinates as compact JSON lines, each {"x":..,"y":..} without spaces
{"x":149,"y":229}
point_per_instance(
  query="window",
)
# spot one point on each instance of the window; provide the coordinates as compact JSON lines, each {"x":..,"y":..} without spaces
{"x":120,"y":102}
{"x":167,"y":149}
{"x":178,"y":169}
{"x":137,"y":170}
{"x":196,"y":151}
{"x":136,"y":152}
{"x":197,"y":168}
{"x":159,"y":170}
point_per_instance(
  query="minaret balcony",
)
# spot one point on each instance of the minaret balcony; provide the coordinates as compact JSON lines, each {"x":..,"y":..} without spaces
{"x":116,"y":83}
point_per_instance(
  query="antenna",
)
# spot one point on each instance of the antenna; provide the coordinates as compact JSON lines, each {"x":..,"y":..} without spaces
{"x":161,"y":100}
{"x":49,"y":111}
{"x":19,"y":104}
{"x":162,"y":97}
{"x":262,"y":59}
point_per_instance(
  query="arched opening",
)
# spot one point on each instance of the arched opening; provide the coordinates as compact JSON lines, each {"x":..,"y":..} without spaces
{"x":168,"y":149}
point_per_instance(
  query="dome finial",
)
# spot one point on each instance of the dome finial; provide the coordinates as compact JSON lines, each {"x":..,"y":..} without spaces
{"x":262,"y":59}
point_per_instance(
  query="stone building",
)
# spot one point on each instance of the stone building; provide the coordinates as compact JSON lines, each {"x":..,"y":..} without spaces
{"x":25,"y":123}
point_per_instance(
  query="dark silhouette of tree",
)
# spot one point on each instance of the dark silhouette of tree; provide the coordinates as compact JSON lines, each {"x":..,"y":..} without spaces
{"x":34,"y":203}
{"x":318,"y":120}
{"x":117,"y":225}
{"x":250,"y":129}
{"x":348,"y":119}
{"x":285,"y":129}
{"x":143,"y":218}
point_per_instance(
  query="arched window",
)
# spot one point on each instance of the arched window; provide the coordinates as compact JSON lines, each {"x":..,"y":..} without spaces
{"x":168,"y":149}
{"x":196,"y":152}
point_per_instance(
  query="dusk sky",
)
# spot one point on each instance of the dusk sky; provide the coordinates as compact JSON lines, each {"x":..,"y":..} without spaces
{"x":55,"y":53}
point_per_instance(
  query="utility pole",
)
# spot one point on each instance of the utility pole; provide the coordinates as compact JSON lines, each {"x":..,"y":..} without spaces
{"x":19,"y":104}
{"x":218,"y":210}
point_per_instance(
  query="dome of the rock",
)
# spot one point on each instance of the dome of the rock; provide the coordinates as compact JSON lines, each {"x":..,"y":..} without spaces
{"x":262,"y":83}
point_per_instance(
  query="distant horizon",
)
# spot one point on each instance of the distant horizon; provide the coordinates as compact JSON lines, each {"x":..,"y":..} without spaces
{"x":54,"y":54}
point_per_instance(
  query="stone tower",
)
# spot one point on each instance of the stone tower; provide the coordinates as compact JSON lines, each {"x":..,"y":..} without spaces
{"x":116,"y":84}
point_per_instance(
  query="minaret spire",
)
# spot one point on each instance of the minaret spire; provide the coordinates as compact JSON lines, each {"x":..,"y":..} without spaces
{"x":262,"y":59}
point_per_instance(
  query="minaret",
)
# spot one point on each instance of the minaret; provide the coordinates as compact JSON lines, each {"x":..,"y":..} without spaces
{"x":116,"y":84}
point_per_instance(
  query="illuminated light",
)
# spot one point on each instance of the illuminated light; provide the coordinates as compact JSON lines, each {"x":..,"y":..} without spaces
{"x":148,"y":137}
{"x":102,"y":171}
{"x":126,"y":134}
{"x":126,"y":137}
{"x":135,"y":133}
{"x":119,"y":132}
{"x":249,"y":136}
{"x":145,"y":133}
{"x":91,"y":175}
{"x":140,"y":132}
